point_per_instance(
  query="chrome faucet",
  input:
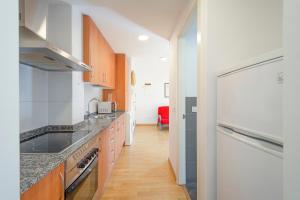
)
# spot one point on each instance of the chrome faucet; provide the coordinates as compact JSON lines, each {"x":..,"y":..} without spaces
{"x":88,"y":113}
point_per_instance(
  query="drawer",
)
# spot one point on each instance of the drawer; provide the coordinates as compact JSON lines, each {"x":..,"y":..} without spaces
{"x":112,"y":157}
{"x":112,"y":138}
{"x":112,"y":144}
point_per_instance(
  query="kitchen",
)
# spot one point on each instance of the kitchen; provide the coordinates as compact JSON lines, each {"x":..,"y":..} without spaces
{"x":70,"y":140}
{"x":59,"y":103}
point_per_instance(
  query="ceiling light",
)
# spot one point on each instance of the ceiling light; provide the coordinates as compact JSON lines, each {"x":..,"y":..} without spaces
{"x":164,"y":59}
{"x":143,"y":37}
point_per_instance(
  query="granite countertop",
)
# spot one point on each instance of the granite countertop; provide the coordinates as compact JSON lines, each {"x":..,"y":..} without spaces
{"x":34,"y":167}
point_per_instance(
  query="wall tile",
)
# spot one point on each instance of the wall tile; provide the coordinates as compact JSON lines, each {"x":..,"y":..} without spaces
{"x":60,"y":113}
{"x":89,"y":93}
{"x":33,"y":84}
{"x":33,"y":115}
{"x":60,"y":86}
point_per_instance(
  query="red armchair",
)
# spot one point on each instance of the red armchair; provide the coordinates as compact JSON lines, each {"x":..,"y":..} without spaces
{"x":163,"y":117}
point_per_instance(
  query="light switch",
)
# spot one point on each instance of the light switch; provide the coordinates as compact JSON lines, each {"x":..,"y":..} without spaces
{"x":194,"y":109}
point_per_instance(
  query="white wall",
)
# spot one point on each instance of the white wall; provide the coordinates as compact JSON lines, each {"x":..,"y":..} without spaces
{"x":239,"y":30}
{"x":231,"y":31}
{"x":149,"y":98}
{"x":291,"y":100}
{"x":9,"y":106}
{"x":89,"y":93}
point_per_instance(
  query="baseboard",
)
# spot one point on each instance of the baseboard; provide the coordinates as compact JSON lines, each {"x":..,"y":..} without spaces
{"x":186,"y":193}
{"x":183,"y":186}
{"x":146,"y":124}
{"x":172,"y":169}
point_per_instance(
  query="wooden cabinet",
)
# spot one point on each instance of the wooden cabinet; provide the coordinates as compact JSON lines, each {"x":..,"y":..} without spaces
{"x":120,"y":93}
{"x":103,"y":159}
{"x":111,"y":142}
{"x":51,"y":187}
{"x":98,"y":54}
{"x":120,"y":135}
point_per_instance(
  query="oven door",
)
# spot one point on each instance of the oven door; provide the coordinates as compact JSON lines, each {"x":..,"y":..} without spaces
{"x":86,"y":185}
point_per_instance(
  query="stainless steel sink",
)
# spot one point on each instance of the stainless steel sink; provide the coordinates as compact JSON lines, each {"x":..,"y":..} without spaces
{"x":105,"y":116}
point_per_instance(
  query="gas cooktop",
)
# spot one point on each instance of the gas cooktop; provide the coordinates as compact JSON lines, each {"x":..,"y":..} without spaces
{"x":51,"y":142}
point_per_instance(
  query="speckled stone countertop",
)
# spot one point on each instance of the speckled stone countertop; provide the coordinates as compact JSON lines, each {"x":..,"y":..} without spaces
{"x":34,"y":167}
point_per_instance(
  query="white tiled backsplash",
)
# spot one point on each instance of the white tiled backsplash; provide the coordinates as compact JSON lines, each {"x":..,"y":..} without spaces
{"x":89,"y":93}
{"x":53,"y":98}
{"x":33,"y":98}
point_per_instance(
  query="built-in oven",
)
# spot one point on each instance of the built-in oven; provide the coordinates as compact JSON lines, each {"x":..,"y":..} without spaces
{"x":82,"y":173}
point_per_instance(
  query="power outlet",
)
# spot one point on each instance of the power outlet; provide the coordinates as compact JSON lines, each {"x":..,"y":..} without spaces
{"x":280,"y":77}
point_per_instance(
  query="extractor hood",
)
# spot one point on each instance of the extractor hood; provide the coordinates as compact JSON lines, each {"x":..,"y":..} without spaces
{"x":39,"y":53}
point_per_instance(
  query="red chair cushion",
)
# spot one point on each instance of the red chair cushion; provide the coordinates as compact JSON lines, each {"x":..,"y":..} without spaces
{"x":163,"y":111}
{"x":164,"y":121}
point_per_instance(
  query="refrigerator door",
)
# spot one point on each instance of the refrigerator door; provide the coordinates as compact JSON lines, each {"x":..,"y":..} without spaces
{"x":250,"y":99}
{"x":248,"y":169}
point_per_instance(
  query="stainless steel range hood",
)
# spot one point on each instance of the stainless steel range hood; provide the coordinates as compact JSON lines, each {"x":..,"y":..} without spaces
{"x":39,"y":53}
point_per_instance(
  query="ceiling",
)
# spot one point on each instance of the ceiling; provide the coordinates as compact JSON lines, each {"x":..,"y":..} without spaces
{"x":158,"y":16}
{"x":122,"y":34}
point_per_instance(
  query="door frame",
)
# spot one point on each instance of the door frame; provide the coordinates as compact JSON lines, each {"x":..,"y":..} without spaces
{"x":181,"y":179}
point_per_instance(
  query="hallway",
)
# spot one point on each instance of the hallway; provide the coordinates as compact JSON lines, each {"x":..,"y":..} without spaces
{"x":142,"y":171}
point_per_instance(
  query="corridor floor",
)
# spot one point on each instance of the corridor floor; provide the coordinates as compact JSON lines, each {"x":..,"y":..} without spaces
{"x":142,"y":171}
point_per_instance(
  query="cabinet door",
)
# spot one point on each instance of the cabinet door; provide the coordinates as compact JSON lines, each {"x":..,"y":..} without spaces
{"x":112,"y":149}
{"x":90,"y":49}
{"x":98,"y":54}
{"x":51,"y":187}
{"x":111,"y":69}
{"x":120,"y":91}
{"x":102,"y":161}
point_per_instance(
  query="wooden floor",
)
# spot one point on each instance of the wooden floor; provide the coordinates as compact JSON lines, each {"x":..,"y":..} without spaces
{"x":142,"y":171}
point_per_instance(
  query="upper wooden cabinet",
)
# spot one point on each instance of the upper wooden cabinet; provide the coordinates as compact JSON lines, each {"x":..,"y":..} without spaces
{"x":120,"y":93}
{"x":98,"y":54}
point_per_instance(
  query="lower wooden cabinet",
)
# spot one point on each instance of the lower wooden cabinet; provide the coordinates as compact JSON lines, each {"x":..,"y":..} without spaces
{"x":111,"y":142}
{"x":103,"y":159}
{"x":111,"y":147}
{"x":51,"y":187}
{"x":120,"y":135}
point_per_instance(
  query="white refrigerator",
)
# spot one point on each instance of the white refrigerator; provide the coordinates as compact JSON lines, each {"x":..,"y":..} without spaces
{"x":249,"y":130}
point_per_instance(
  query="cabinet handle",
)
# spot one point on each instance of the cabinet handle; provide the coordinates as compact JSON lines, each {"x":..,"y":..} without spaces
{"x":62,"y":181}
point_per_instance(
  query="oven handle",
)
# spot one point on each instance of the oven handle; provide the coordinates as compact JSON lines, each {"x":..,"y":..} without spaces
{"x":83,"y":175}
